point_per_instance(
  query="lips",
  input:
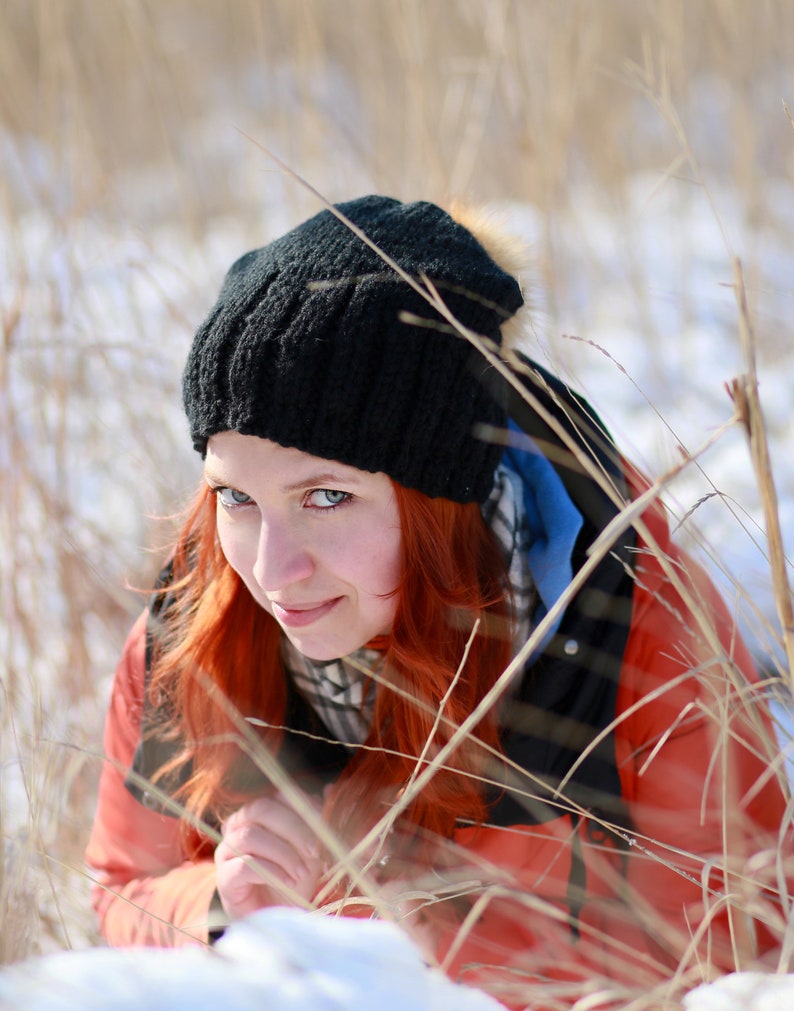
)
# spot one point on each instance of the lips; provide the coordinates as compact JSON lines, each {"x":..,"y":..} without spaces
{"x":303,"y":615}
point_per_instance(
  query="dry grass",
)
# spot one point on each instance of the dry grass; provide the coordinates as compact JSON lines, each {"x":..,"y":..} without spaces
{"x":130,"y":176}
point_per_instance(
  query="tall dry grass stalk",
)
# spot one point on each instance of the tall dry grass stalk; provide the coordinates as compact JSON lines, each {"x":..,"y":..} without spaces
{"x":130,"y":183}
{"x":745,"y":392}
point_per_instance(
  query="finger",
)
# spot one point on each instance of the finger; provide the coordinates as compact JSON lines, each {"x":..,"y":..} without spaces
{"x":242,"y":873}
{"x":260,"y":843}
{"x":243,"y":880}
{"x":243,"y":888}
{"x":277,"y":817}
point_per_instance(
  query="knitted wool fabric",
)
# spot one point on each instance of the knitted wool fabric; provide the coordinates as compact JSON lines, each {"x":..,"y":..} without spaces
{"x":309,"y":346}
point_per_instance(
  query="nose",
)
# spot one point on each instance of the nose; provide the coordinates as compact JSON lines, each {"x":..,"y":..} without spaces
{"x":282,"y":557}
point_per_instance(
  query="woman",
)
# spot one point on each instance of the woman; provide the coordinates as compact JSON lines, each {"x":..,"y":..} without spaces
{"x":389,"y":514}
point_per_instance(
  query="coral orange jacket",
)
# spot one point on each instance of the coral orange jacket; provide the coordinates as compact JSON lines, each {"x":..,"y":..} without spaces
{"x":697,"y":797}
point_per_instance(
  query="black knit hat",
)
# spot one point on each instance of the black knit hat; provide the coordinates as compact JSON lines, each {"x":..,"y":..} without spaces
{"x":308,"y":345}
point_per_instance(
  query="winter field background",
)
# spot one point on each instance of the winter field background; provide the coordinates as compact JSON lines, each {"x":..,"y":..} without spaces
{"x":639,"y":145}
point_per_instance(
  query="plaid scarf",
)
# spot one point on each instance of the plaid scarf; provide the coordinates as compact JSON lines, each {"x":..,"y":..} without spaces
{"x":336,"y":689}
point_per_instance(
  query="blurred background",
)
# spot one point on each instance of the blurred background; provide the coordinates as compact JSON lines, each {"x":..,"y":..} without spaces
{"x":637,"y":145}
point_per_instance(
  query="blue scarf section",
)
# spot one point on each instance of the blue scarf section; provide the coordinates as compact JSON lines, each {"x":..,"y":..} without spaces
{"x":554,"y":523}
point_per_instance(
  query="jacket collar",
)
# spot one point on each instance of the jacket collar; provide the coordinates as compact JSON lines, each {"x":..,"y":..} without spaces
{"x":558,"y":727}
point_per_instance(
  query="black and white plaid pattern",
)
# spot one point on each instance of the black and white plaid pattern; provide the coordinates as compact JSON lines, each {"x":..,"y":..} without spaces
{"x":504,"y":513}
{"x":335,"y":690}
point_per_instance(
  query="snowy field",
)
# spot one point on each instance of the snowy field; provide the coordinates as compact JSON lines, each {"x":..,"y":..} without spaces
{"x":278,"y":960}
{"x":281,"y":960}
{"x":633,"y":303}
{"x":660,"y":396}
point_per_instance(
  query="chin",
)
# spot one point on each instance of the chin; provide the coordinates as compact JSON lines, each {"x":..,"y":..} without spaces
{"x":321,"y":652}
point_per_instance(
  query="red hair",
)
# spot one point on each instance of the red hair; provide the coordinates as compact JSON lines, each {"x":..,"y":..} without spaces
{"x":217,"y":641}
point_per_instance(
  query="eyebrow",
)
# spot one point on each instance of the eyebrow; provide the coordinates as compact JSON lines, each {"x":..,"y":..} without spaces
{"x":322,"y":479}
{"x":319,"y":479}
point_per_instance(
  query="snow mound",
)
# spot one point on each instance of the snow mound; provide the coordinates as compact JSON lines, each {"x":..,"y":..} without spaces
{"x":279,"y":959}
{"x":744,"y":991}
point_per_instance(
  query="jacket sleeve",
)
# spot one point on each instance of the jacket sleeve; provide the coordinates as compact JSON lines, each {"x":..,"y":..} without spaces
{"x":700,"y":767}
{"x":697,"y":756}
{"x":146,"y":890}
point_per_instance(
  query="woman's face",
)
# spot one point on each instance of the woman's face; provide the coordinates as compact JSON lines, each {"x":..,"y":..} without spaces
{"x":317,"y":543}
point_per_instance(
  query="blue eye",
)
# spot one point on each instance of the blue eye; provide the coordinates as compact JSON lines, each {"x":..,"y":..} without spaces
{"x":327,"y":498}
{"x":231,"y":497}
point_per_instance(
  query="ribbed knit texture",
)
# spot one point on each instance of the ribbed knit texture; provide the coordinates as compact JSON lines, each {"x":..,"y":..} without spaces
{"x":307,"y":346}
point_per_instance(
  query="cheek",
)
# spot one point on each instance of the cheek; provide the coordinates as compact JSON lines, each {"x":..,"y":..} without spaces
{"x":384,"y":561}
{"x":388,"y":569}
{"x":393,"y":569}
{"x":237,"y":545}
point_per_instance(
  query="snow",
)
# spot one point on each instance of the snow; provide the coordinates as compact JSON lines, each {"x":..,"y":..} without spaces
{"x":743,"y":991}
{"x":278,"y":959}
{"x":287,"y":960}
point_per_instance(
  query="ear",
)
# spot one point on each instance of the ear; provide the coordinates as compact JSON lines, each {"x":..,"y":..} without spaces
{"x":505,"y":248}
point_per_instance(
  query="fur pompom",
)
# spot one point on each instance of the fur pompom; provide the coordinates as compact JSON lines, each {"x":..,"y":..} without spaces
{"x":491,"y":229}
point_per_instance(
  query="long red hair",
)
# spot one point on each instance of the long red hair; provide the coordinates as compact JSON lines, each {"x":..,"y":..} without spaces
{"x":218,"y":652}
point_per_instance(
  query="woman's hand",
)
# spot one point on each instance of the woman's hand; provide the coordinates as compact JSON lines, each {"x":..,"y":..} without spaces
{"x":266,"y":844}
